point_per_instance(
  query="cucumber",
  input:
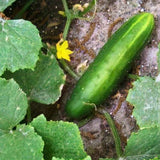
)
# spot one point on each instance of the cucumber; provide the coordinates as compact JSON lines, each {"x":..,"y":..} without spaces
{"x":110,"y":66}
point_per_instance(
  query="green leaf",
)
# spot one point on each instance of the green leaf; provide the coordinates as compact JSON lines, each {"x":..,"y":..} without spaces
{"x":21,"y":144}
{"x":86,"y":158}
{"x":145,"y":97}
{"x":62,"y":139}
{"x":45,"y":83}
{"x":158,"y":58}
{"x":13,"y":104}
{"x":4,"y":4}
{"x":109,"y":159}
{"x":156,"y":158}
{"x":145,"y":144}
{"x":19,"y":45}
{"x":54,"y":158}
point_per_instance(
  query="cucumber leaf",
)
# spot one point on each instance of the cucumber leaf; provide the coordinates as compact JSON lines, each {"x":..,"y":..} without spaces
{"x":109,"y":159}
{"x":158,"y":58}
{"x":145,"y":144}
{"x":87,"y":158}
{"x":13,"y":104}
{"x":58,"y":158}
{"x":156,"y":158}
{"x":145,"y":97}
{"x":4,"y":4}
{"x":19,"y":45}
{"x":62,"y":139}
{"x":45,"y":83}
{"x":22,"y":143}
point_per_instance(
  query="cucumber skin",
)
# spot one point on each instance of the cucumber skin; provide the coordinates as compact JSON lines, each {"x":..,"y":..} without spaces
{"x":110,"y":66}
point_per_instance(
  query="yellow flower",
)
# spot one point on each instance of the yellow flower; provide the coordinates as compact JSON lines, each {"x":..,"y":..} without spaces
{"x":63,"y":51}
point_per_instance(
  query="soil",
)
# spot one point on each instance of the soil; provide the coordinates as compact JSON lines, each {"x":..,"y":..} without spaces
{"x":86,"y":38}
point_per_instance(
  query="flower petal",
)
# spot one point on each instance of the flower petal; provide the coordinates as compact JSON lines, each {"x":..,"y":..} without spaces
{"x":68,"y":52}
{"x":64,"y":45}
{"x":67,"y":58}
{"x":58,"y":46}
{"x":59,"y":55}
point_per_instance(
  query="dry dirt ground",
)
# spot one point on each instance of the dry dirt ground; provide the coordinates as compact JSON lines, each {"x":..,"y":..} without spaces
{"x":86,"y":37}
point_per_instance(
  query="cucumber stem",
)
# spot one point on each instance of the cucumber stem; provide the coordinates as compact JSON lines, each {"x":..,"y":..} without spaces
{"x":115,"y":134}
{"x":69,"y":19}
{"x":66,"y":29}
{"x":68,"y":69}
{"x":70,"y":16}
{"x":65,"y":7}
{"x":65,"y":33}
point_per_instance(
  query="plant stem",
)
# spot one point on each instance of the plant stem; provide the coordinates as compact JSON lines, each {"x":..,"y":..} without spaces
{"x":69,"y":19}
{"x":29,"y":117}
{"x":65,"y":33}
{"x":70,"y":16}
{"x":115,"y":134}
{"x":65,"y":6}
{"x":21,"y":12}
{"x":66,"y":28}
{"x":69,"y":70}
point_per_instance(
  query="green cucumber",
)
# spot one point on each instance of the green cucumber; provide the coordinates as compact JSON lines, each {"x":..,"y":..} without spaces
{"x":110,"y":66}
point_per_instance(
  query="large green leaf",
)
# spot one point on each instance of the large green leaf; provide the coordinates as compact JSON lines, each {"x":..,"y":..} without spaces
{"x":62,"y":139}
{"x":145,"y":97}
{"x":156,"y":158}
{"x":158,"y":58}
{"x":58,"y":158}
{"x":110,"y":159}
{"x":4,"y":4}
{"x":19,"y":45}
{"x":87,"y":158}
{"x":45,"y":83}
{"x":145,"y":144}
{"x":21,"y":144}
{"x":13,"y":104}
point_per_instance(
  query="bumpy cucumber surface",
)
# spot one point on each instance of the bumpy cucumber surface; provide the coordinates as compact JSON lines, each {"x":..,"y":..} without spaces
{"x":110,"y":66}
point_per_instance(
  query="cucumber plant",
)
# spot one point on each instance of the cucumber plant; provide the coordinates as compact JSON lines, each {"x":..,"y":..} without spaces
{"x":42,"y":139}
